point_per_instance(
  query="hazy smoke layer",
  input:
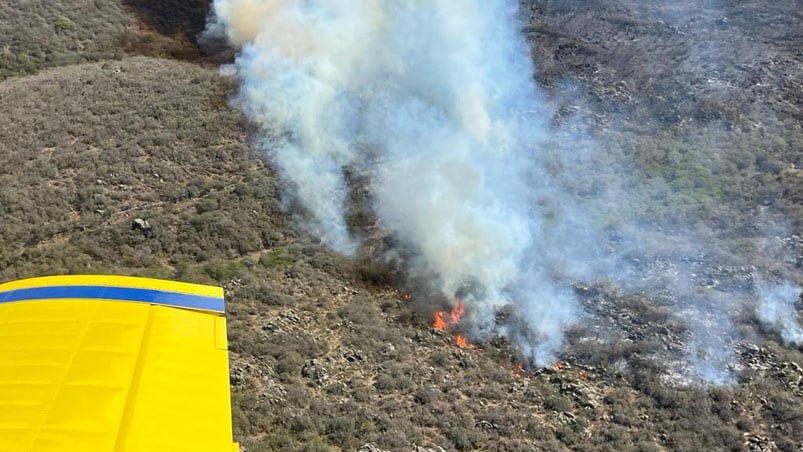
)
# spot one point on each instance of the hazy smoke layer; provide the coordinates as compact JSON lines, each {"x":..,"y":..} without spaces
{"x":777,"y":310}
{"x":436,"y":100}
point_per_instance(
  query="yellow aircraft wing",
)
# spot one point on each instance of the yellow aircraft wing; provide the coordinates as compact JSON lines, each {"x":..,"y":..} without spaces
{"x":113,"y":363}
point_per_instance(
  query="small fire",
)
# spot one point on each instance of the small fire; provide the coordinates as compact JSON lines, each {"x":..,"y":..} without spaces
{"x":557,"y":366}
{"x":445,"y":319}
{"x":519,"y":370}
{"x":457,"y":312}
{"x":407,"y":296}
{"x":440,"y":323}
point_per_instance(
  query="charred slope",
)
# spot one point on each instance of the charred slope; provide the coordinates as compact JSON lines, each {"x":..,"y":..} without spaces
{"x":715,"y":81}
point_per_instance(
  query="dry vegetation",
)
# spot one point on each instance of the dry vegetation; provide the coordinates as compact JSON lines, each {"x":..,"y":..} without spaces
{"x":89,"y":148}
{"x":40,"y":34}
{"x":323,"y":357}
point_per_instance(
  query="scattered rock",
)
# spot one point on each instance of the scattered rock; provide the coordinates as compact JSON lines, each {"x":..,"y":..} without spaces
{"x":581,"y":394}
{"x":428,"y":449}
{"x":272,"y":391}
{"x":486,"y":425}
{"x":758,"y":443}
{"x":290,"y":315}
{"x":315,"y":371}
{"x":353,"y":355}
{"x":143,"y":226}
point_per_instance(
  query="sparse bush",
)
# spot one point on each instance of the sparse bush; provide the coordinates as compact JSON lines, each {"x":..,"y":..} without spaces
{"x":425,"y":396}
{"x":378,"y":274}
{"x":361,"y":311}
{"x":388,"y":383}
{"x":462,"y":438}
{"x":281,"y":257}
{"x":38,"y":34}
{"x":63,"y":22}
{"x":221,"y":270}
{"x":301,"y":423}
{"x":288,"y":366}
{"x":648,"y":447}
{"x":557,"y":402}
{"x":439,"y":358}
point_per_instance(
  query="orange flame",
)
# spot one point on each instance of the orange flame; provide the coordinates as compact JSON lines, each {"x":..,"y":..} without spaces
{"x":557,"y":366}
{"x":407,"y":296}
{"x":457,"y":312}
{"x":440,"y":322}
{"x":519,"y":370}
{"x":444,"y":319}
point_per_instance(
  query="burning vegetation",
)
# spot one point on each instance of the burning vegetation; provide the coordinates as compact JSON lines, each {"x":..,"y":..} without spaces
{"x":444,"y":320}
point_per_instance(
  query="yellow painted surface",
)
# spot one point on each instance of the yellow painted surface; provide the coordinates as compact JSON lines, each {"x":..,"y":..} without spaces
{"x":116,"y":281}
{"x":99,"y":375}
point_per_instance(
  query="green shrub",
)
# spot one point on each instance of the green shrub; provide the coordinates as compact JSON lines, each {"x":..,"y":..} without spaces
{"x":281,"y":257}
{"x":63,"y":22}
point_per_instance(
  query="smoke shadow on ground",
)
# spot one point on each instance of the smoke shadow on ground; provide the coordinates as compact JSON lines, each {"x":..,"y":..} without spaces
{"x":172,"y":17}
{"x":172,"y":29}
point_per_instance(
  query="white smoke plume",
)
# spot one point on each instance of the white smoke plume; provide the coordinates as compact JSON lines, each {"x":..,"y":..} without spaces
{"x":777,"y":310}
{"x":436,"y":100}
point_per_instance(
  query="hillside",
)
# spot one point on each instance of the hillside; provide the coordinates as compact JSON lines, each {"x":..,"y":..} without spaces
{"x":112,"y":114}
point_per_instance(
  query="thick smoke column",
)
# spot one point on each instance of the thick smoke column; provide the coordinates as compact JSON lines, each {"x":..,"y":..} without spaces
{"x":433,"y":102}
{"x":434,"y":99}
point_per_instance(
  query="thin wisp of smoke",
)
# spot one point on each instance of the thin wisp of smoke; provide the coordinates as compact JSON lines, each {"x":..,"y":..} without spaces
{"x":777,"y":310}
